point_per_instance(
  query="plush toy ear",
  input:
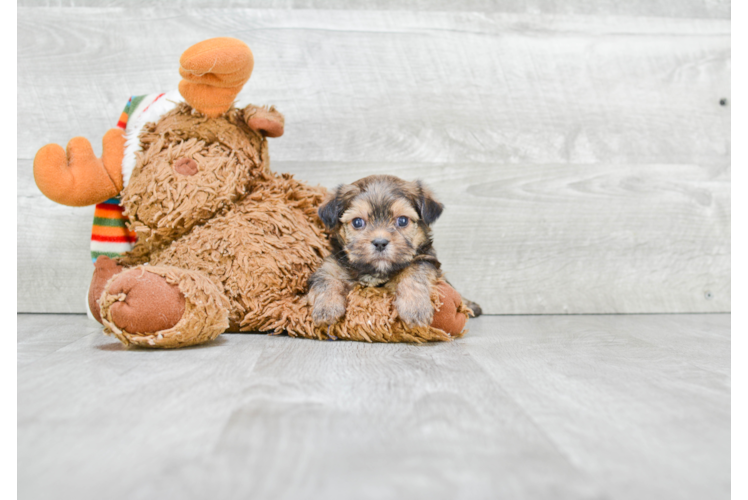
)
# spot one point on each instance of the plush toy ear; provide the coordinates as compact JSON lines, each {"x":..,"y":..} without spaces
{"x":428,"y":207}
{"x":332,"y":209}
{"x":265,"y":120}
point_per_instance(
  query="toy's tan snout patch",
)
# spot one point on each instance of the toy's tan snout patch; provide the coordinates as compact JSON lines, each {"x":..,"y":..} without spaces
{"x":185,"y":166}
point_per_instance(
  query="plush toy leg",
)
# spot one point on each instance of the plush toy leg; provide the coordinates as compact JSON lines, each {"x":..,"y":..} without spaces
{"x":75,"y":177}
{"x":154,"y":306}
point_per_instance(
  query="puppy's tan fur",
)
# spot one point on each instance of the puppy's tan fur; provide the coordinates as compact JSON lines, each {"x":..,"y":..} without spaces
{"x":406,"y":265}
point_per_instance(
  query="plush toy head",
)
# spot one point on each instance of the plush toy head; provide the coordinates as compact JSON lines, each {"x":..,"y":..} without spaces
{"x":191,"y":168}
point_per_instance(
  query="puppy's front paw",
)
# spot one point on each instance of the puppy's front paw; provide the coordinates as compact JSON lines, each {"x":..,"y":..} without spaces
{"x":415,"y":311}
{"x":328,"y":309}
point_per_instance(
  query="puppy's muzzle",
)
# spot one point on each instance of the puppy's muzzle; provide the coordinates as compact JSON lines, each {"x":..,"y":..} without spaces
{"x":380,"y":244}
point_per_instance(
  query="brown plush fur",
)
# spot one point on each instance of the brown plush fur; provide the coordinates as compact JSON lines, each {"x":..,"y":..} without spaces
{"x":164,"y":205}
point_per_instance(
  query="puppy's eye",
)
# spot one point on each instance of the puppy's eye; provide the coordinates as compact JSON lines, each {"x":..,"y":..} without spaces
{"x":402,"y":221}
{"x":358,"y":223}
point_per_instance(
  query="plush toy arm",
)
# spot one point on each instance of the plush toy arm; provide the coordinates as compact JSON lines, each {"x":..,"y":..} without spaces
{"x":265,"y":120}
{"x":76,"y":177}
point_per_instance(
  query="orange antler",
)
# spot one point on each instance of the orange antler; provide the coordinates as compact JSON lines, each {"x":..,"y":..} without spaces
{"x":213,"y":72}
{"x":75,"y":177}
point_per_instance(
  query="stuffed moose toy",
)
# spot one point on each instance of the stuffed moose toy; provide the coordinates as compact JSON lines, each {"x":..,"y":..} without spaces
{"x":194,"y":235}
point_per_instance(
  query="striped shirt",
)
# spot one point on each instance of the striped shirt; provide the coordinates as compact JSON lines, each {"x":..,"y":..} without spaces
{"x":109,"y":235}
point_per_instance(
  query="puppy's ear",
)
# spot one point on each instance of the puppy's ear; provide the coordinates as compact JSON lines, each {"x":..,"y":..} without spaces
{"x":337,"y":203}
{"x":427,"y":205}
{"x":332,"y":209}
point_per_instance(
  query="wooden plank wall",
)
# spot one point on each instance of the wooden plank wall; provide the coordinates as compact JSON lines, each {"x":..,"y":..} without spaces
{"x":738,"y":60}
{"x":581,"y":150}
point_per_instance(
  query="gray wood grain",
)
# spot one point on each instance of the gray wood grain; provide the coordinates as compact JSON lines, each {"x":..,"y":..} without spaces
{"x":522,"y":407}
{"x":697,"y":9}
{"x":53,"y":251}
{"x":739,"y":168}
{"x":739,"y":232}
{"x":40,"y":335}
{"x":595,"y":401}
{"x":584,"y":160}
{"x":406,"y":86}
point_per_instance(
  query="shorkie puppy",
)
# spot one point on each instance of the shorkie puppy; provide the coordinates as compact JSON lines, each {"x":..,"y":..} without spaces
{"x":381,"y":236}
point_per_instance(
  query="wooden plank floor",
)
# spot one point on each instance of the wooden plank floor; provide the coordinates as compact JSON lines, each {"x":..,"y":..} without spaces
{"x":522,"y":407}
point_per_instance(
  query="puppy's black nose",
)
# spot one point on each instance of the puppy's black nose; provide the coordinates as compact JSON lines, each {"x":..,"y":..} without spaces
{"x":380,"y":243}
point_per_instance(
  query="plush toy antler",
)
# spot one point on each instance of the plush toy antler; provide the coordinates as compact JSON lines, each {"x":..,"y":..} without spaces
{"x":75,"y":177}
{"x":214,"y":72}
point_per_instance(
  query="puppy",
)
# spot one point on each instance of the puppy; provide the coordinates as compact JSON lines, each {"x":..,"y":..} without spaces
{"x":380,"y":236}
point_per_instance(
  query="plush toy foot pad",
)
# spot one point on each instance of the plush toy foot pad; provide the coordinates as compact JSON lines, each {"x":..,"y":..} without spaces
{"x":149,"y":304}
{"x":451,"y":315}
{"x":154,"y":306}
